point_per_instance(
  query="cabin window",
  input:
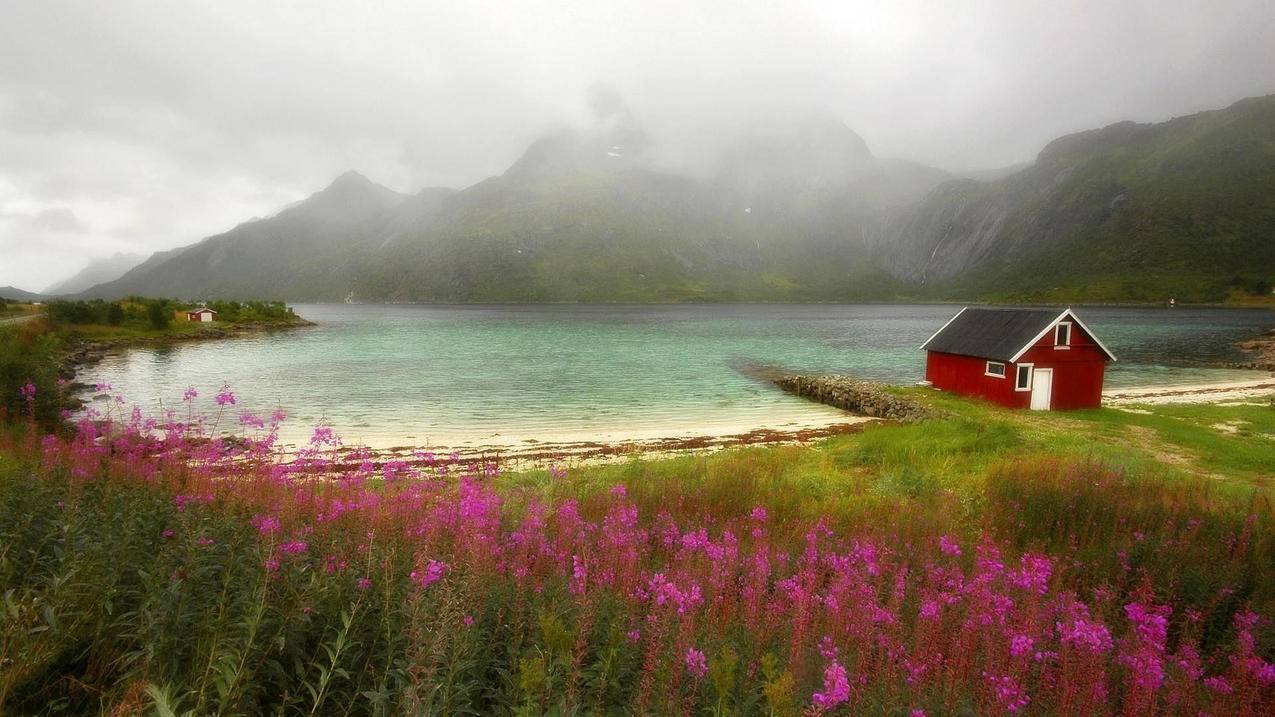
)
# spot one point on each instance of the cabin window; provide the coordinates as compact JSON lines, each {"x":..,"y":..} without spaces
{"x":1023,"y":380}
{"x":1062,"y":335}
{"x":995,"y":368}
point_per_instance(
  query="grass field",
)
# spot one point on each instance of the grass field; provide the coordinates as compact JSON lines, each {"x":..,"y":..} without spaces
{"x":989,"y":562}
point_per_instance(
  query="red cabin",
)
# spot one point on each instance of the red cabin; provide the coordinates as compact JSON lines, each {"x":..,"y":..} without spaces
{"x":1041,"y":359}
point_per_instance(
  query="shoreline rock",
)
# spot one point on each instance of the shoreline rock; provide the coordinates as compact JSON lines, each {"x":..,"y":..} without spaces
{"x":1263,"y":347}
{"x":860,"y":397}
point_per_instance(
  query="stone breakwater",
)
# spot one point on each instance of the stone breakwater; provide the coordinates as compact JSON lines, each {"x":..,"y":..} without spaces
{"x":861,"y":397}
{"x":1263,"y":350}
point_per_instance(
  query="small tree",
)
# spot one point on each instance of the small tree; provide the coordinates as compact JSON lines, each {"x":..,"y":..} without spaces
{"x":158,"y":313}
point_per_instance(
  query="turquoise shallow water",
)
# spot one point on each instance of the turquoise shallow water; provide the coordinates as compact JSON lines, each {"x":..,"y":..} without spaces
{"x":391,"y":375}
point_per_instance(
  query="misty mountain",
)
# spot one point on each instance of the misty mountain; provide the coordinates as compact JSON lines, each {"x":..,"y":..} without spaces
{"x":580,"y":216}
{"x":285,"y":255}
{"x":97,"y":272}
{"x":796,"y":210}
{"x":1184,"y":208}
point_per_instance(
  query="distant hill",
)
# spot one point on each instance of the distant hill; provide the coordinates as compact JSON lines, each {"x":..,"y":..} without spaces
{"x":1184,"y":208}
{"x":793,"y":210}
{"x":15,"y":294}
{"x":97,"y":272}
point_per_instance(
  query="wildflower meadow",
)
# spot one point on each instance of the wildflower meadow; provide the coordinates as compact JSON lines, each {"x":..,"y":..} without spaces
{"x":166,"y":563}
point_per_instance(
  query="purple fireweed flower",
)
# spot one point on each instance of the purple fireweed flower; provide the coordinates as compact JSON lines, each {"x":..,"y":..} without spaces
{"x":758,"y":514}
{"x":827,"y":648}
{"x":364,"y":583}
{"x":1020,"y":645}
{"x":1218,"y":685}
{"x":836,"y":688}
{"x":1084,"y":633}
{"x":949,"y":546}
{"x":266,"y":524}
{"x":1033,"y":573}
{"x":101,"y":387}
{"x":696,"y":663}
{"x":225,"y":397}
{"x":432,"y":573}
{"x":189,"y":394}
{"x":634,"y":635}
{"x":204,"y":542}
{"x":28,"y":391}
{"x":294,"y":547}
{"x":1010,"y":695}
{"x":468,"y":620}
{"x":168,"y":533}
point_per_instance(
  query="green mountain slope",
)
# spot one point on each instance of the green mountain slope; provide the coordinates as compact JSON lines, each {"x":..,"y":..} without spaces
{"x":793,"y":211}
{"x":1183,"y":209}
{"x":581,"y":216}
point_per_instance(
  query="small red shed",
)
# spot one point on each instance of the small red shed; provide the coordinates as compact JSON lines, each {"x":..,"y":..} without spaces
{"x":203,"y":315}
{"x":1022,"y":358}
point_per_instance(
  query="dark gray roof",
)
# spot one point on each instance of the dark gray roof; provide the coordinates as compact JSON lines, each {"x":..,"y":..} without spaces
{"x":997,"y":334}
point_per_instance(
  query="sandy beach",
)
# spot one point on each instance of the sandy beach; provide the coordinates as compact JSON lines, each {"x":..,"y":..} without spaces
{"x":1260,"y":388}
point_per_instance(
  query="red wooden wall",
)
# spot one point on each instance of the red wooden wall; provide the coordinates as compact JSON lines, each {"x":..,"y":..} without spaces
{"x":1078,"y":373}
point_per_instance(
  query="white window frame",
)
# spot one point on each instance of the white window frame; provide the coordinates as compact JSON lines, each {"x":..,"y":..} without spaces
{"x":1031,"y":375}
{"x":1061,"y":346}
{"x":987,"y":369}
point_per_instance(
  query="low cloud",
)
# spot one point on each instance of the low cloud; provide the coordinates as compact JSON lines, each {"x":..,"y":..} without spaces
{"x":155,"y":124}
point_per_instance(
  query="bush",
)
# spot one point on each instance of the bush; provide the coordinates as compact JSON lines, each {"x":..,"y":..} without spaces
{"x":158,"y":314}
{"x":29,"y":355}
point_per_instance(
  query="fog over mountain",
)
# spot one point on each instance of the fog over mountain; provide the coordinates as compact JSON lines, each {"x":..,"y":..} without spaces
{"x":137,"y":127}
{"x":799,"y":210}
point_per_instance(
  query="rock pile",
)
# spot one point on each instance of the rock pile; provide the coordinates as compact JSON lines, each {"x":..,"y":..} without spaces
{"x":861,"y":397}
{"x":1263,"y":348}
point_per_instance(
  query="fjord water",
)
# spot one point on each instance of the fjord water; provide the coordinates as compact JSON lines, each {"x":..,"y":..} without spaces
{"x":473,"y":375}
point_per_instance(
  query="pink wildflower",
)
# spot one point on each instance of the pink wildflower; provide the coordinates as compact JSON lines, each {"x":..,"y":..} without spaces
{"x":189,"y":394}
{"x":294,"y":547}
{"x":827,"y":648}
{"x":28,"y":391}
{"x":1020,"y":645}
{"x":468,"y":620}
{"x":364,"y":583}
{"x":836,"y":687}
{"x":225,"y":397}
{"x":949,"y":546}
{"x":432,"y":573}
{"x":1010,"y":695}
{"x":1218,"y":685}
{"x":696,"y":663}
{"x":266,"y":524}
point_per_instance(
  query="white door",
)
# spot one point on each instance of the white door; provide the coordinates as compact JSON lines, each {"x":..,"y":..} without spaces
{"x":1042,"y":388}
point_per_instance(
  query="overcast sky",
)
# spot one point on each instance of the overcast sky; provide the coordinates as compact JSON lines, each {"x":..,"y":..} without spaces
{"x":137,"y":126}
